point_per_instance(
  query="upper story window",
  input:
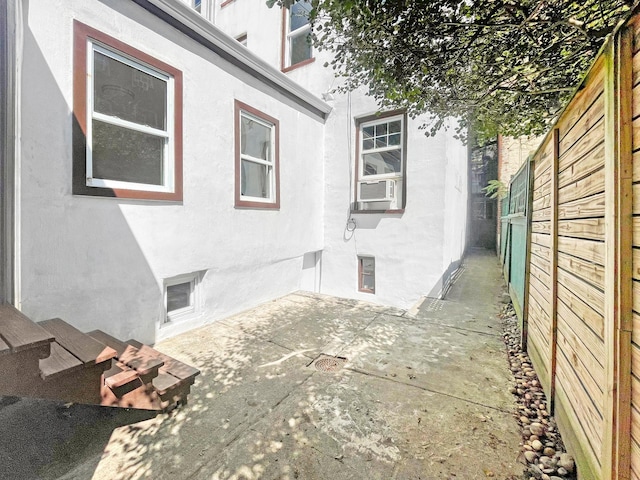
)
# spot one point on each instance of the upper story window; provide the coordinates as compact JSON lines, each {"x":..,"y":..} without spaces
{"x":257,"y":163}
{"x":297,"y":43}
{"x":380,"y":162}
{"x":197,"y":5}
{"x":128,"y":108}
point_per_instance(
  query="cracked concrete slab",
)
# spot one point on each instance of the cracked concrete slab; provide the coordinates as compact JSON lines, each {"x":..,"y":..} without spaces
{"x":420,"y":397}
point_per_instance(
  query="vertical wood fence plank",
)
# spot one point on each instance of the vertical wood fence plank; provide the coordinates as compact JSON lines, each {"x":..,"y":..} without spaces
{"x":616,"y":449}
{"x":554,"y":267}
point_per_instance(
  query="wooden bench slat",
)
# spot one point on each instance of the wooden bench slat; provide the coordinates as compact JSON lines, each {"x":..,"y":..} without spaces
{"x":60,"y":361}
{"x":128,"y":354}
{"x":119,"y":375}
{"x":85,"y":348}
{"x":19,"y":332}
{"x":165,"y":382}
{"x":171,"y":365}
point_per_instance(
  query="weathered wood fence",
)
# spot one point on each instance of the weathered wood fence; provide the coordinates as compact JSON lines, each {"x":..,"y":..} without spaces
{"x":583,"y":264}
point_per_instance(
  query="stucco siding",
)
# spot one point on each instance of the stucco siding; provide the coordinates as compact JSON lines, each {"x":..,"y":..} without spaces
{"x":101,"y":262}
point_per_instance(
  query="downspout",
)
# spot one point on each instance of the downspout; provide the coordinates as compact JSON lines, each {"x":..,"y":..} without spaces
{"x":10,"y":71}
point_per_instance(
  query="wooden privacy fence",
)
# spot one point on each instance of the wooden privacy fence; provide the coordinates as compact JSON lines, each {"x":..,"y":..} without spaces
{"x":583,"y":264}
{"x":513,"y":237}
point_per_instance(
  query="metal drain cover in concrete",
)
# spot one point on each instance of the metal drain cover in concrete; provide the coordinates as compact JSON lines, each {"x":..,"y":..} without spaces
{"x":328,"y":363}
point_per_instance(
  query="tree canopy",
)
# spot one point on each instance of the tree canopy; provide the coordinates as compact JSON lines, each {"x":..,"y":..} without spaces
{"x":504,"y":66}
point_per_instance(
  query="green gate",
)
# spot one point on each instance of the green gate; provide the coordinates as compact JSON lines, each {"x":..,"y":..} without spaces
{"x":513,"y":236}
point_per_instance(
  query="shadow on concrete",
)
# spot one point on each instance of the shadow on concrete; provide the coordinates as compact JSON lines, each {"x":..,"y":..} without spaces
{"x":416,"y":399}
{"x":40,"y":438}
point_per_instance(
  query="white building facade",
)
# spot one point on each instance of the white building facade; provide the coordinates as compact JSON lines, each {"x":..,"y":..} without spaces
{"x":167,"y":164}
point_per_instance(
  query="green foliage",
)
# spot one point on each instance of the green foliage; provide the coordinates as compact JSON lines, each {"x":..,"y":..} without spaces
{"x":499,"y":66}
{"x":496,"y":189}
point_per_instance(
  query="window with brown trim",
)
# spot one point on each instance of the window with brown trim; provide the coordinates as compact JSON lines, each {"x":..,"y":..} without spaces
{"x":366,"y":274}
{"x":257,"y":158}
{"x":380,"y":164}
{"x":127,"y":137}
{"x":297,"y":49}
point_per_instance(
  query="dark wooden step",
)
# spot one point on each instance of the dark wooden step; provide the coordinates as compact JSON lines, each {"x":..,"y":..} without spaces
{"x":23,"y":344}
{"x":82,"y":346}
{"x":119,"y":375}
{"x":19,"y":333}
{"x":172,"y":366}
{"x":142,"y":363}
{"x":60,"y":362}
{"x":173,"y":383}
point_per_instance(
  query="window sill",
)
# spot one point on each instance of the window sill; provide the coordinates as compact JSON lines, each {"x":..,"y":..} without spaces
{"x":299,"y":64}
{"x":85,"y":191}
{"x":257,"y":205}
{"x":398,"y":211}
{"x":362,"y":290}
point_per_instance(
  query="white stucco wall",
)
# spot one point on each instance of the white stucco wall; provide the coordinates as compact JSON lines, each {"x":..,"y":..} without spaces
{"x":101,"y":262}
{"x":263,"y":26}
{"x":413,"y":249}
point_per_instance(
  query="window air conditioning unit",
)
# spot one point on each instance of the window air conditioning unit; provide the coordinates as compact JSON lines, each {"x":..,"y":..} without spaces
{"x":378,"y":191}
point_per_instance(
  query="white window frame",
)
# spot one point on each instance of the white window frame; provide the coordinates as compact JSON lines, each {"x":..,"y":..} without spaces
{"x":186,"y":312}
{"x":270,"y":163}
{"x":389,"y":148}
{"x":302,"y":31}
{"x":168,"y":162}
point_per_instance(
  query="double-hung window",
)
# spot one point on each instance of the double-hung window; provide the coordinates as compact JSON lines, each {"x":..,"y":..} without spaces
{"x":127,"y":141}
{"x":257,"y":151}
{"x":297,"y":44}
{"x":381,"y":162}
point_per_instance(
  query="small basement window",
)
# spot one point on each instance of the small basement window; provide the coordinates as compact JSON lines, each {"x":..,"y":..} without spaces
{"x":180,"y":297}
{"x":367,"y":274}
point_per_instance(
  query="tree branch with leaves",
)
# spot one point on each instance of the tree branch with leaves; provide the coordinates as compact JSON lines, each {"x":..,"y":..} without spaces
{"x":499,"y":66}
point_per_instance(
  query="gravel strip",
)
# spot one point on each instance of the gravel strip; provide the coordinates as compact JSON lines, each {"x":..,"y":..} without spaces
{"x":542,"y":450}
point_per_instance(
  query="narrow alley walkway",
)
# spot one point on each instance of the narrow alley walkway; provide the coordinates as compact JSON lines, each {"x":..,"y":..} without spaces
{"x":422,"y":396}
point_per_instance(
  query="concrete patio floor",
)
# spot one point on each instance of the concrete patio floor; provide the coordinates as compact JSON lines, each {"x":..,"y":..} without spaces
{"x":423,"y":395}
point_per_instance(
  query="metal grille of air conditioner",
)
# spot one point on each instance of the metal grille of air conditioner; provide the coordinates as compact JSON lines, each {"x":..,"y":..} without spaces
{"x":373,"y":191}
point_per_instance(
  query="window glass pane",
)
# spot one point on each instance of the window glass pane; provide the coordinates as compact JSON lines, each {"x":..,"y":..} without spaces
{"x":300,"y":47}
{"x":381,"y":142}
{"x":367,"y":132}
{"x":178,"y":296}
{"x":368,"y":282}
{"x":299,"y":15}
{"x":382,"y":162}
{"x":128,"y":93}
{"x":367,"y":144}
{"x":367,"y":265}
{"x":395,"y":127}
{"x":126,"y":155}
{"x":381,"y":129}
{"x":255,"y":139}
{"x":254,"y":180}
{"x":394,"y":139}
{"x":197,"y":5}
